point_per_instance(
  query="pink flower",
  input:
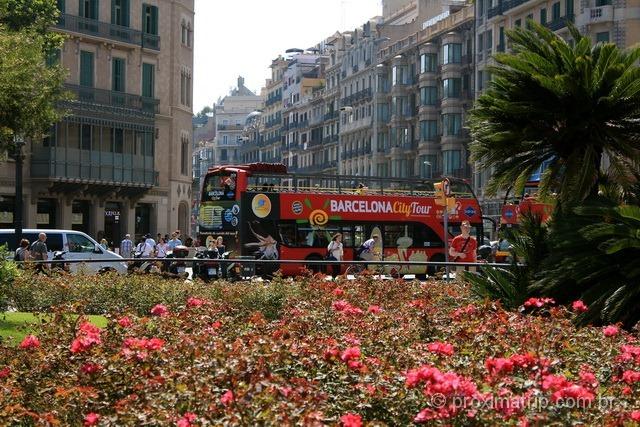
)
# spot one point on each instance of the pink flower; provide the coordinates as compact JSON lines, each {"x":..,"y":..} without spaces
{"x":227,"y":398}
{"x":125,"y":322}
{"x":629,"y":353}
{"x":338,"y":292}
{"x":30,"y":341}
{"x":635,"y":415}
{"x":355,"y":365}
{"x":154,"y":344}
{"x":588,"y":379}
{"x":441,"y":348}
{"x":91,"y":419}
{"x":374,"y":309}
{"x":159,"y":310}
{"x":573,"y":393}
{"x":554,"y":382}
{"x":425,"y":415}
{"x":331,"y":353}
{"x":90,"y":368}
{"x":194,"y":302}
{"x":340,"y":305}
{"x":187,"y":419}
{"x":499,"y":365}
{"x":350,"y":353}
{"x":610,"y":331}
{"x":351,"y":420}
{"x":579,"y":306}
{"x":467,"y":311}
{"x":87,"y":336}
{"x":5,"y":372}
{"x":631,"y":377}
{"x":538,"y":302}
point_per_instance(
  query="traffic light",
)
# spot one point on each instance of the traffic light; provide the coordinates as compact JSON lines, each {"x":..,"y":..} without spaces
{"x":441,"y":199}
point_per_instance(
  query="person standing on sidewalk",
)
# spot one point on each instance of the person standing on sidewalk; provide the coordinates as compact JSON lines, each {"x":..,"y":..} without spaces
{"x":463,"y":247}
{"x":126,"y":246}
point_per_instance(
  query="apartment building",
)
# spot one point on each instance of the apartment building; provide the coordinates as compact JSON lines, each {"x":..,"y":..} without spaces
{"x":230,"y":114}
{"x":271,"y":135}
{"x":120,"y":162}
{"x":613,"y":21}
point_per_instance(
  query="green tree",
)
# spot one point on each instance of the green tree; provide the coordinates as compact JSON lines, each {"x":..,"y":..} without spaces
{"x":567,"y":104}
{"x":29,"y":88}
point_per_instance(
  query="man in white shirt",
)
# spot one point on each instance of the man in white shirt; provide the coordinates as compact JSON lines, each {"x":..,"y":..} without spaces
{"x":149,"y":246}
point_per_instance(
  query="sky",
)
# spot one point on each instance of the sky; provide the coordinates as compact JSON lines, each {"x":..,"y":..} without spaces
{"x":242,"y":37}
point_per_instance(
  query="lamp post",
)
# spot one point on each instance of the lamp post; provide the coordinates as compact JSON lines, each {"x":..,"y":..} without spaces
{"x":17,"y":209}
{"x":430,"y":174}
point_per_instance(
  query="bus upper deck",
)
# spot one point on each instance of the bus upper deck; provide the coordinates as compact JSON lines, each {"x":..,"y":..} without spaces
{"x":264,"y":177}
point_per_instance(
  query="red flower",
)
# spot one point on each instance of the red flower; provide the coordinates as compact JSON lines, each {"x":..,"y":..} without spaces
{"x":338,"y":292}
{"x":159,"y":310}
{"x":554,"y":382}
{"x":125,"y":322}
{"x":610,"y":331}
{"x":351,"y":420}
{"x":467,"y":311}
{"x":30,"y":341}
{"x":499,"y":365}
{"x":573,"y":393}
{"x":579,"y":306}
{"x":355,"y":365}
{"x":194,"y":302}
{"x":374,"y":309}
{"x":154,"y":344}
{"x":629,"y":353}
{"x":340,"y":305}
{"x":441,"y":348}
{"x":631,"y":377}
{"x":588,"y":379}
{"x":350,"y":353}
{"x":90,"y":368}
{"x":187,"y":419}
{"x":331,"y":353}
{"x":5,"y":372}
{"x":87,"y":336}
{"x":538,"y":302}
{"x":227,"y":398}
{"x":635,"y":416}
{"x":91,"y":419}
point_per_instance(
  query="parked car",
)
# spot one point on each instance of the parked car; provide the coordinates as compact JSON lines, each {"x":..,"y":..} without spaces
{"x":76,"y":245}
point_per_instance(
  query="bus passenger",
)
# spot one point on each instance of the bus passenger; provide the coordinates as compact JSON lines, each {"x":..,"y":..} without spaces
{"x":362,"y":189}
{"x":335,"y":252}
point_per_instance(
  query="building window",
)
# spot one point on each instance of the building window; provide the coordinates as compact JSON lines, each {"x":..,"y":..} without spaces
{"x":543,"y":15}
{"x":451,"y":88}
{"x":428,"y":95}
{"x":184,"y":156}
{"x":602,"y":37}
{"x":399,"y":75}
{"x":117,"y":140}
{"x":518,"y":23}
{"x":428,"y":165}
{"x":452,"y":53}
{"x":428,"y":130}
{"x":569,"y":8}
{"x":120,"y":12}
{"x":185,"y":88}
{"x":501,"y":39}
{"x":480,"y":43}
{"x":480,"y":81}
{"x":223,"y":155}
{"x":148,"y":80}
{"x":85,"y":137}
{"x":89,"y":9}
{"x":61,"y":6}
{"x":451,"y":162}
{"x":428,"y":63}
{"x":451,"y":124}
{"x":149,"y":19}
{"x":86,"y":68}
{"x":555,"y":12}
{"x":118,"y":75}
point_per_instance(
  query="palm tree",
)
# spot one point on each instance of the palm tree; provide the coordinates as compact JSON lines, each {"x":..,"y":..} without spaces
{"x":565,"y":103}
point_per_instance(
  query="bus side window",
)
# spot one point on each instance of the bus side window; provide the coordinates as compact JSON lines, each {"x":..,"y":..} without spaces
{"x":359,"y":236}
{"x":425,"y":237}
{"x":287,"y":232}
{"x":347,"y":237}
{"x":391,"y":234}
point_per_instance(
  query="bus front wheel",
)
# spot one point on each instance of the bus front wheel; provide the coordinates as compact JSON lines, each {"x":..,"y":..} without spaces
{"x":315,"y":268}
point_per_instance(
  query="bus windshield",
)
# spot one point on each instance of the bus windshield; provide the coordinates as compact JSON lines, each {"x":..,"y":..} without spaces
{"x":219,"y":186}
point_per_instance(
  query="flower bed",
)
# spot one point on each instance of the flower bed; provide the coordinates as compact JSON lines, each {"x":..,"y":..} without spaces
{"x":348,"y":353}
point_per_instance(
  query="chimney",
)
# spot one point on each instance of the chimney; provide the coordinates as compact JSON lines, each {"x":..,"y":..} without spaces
{"x":240,"y":82}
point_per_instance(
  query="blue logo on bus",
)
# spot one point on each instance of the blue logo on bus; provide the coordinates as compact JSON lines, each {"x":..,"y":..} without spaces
{"x":508,"y":213}
{"x":469,"y":211}
{"x":228,"y":215}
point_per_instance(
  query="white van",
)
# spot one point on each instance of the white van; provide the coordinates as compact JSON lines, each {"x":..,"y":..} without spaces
{"x":77,"y":244}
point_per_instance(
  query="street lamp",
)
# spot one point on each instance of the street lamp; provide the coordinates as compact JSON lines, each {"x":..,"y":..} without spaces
{"x":18,"y":142}
{"x":427,"y":163}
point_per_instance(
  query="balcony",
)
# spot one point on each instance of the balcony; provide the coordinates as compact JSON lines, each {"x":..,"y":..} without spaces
{"x":559,"y":23}
{"x":116,"y":102}
{"x":105,"y":30}
{"x":273,"y":100}
{"x":600,"y":14}
{"x":95,"y":168}
{"x":230,"y":127}
{"x":332,"y":115}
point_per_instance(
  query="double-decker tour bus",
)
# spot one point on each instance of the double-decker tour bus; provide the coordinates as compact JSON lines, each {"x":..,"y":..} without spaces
{"x":514,"y":208}
{"x":264,"y":212}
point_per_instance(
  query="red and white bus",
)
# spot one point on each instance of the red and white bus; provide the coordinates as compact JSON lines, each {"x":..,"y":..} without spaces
{"x":262,"y":211}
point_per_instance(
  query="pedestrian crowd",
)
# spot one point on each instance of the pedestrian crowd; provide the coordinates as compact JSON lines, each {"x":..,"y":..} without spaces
{"x":149,"y":247}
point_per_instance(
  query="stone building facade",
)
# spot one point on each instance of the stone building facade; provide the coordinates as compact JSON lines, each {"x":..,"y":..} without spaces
{"x":120,"y":162}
